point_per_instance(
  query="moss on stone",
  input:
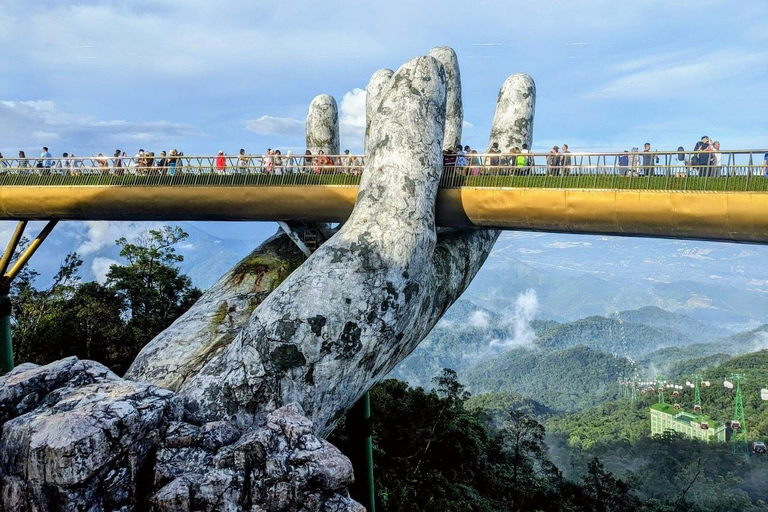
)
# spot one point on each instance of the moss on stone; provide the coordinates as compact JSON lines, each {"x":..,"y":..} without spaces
{"x":220,"y":315}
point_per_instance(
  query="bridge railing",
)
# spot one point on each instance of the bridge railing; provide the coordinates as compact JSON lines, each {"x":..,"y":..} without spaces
{"x":741,"y":170}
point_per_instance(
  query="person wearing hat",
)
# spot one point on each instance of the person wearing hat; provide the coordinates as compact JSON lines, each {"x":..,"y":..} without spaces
{"x":221,"y":162}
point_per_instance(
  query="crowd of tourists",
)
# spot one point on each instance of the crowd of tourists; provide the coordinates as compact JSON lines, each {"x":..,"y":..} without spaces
{"x":173,"y":161}
{"x":705,"y":159}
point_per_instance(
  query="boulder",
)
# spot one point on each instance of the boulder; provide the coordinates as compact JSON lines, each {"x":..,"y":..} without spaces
{"x":84,"y":439}
{"x":281,"y":466}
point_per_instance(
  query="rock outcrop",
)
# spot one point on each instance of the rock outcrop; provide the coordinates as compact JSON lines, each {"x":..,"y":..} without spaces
{"x":75,"y":436}
{"x":282,"y":466}
{"x":323,"y":125}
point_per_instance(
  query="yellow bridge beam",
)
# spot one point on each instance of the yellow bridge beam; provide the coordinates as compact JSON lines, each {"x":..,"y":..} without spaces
{"x":731,"y":216}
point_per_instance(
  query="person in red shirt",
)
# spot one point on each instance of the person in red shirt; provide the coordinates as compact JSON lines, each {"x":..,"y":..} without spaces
{"x":221,"y":162}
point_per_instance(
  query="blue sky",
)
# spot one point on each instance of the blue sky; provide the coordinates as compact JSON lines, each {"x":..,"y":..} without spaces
{"x":200,"y":76}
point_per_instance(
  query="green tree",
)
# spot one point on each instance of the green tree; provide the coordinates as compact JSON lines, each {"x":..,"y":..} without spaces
{"x":37,"y":335}
{"x":605,"y":492}
{"x":108,"y":323}
{"x":155,"y":290}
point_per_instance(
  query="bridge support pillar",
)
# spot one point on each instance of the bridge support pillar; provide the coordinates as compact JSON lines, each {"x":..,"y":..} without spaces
{"x":6,"y":278}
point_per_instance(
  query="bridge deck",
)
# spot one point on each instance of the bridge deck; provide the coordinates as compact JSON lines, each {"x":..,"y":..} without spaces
{"x":731,"y":204}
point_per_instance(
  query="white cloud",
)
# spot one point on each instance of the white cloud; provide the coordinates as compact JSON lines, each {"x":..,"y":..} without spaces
{"x":270,"y":125}
{"x":523,"y":313}
{"x":40,"y":122}
{"x":467,"y":125}
{"x":480,"y":319}
{"x":100,"y":268}
{"x":102,"y":234}
{"x":567,"y":245}
{"x":352,"y":119}
{"x":681,"y":74}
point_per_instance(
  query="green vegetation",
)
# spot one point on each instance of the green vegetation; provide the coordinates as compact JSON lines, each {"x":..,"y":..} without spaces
{"x":432,"y":454}
{"x":610,"y":335}
{"x":108,"y":323}
{"x":204,"y":175}
{"x":566,"y":380}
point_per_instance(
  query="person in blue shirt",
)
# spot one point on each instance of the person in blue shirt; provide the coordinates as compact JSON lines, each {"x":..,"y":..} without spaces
{"x":45,"y":158}
{"x":765,"y":165}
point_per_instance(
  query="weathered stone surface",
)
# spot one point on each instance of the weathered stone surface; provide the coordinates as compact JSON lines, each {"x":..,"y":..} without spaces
{"x":97,"y":442}
{"x":88,"y":442}
{"x":364,"y":300}
{"x":323,"y":125}
{"x":354,"y":308}
{"x":376,"y":85}
{"x":454,"y":108}
{"x":513,"y":121}
{"x":217,"y":317}
{"x":29,"y":385}
{"x":282,"y":466}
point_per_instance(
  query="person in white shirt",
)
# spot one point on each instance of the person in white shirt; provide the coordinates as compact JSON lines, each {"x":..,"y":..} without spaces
{"x":717,"y":157}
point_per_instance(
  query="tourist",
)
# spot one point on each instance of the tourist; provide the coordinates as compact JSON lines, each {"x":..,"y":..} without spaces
{"x":138,"y":161}
{"x":648,"y":160}
{"x":3,"y":164}
{"x":553,"y":161}
{"x":117,"y":163}
{"x":45,"y":161}
{"x":634,"y":162}
{"x":103,"y":163}
{"x":528,"y":159}
{"x":461,"y":161}
{"x":242,"y":162}
{"x":64,"y":164}
{"x":162,"y":163}
{"x":355,"y":165}
{"x":346,"y":163}
{"x":623,"y":162}
{"x":565,"y":160}
{"x":173,"y":161}
{"x":77,"y":163}
{"x":700,"y":160}
{"x":267,"y":163}
{"x":307,"y":164}
{"x":278,"y":166}
{"x":150,"y":158}
{"x":221,"y":162}
{"x":449,"y":162}
{"x":476,"y":163}
{"x":765,"y":165}
{"x":494,"y":161}
{"x":289,"y":163}
{"x":323,"y":164}
{"x":23,"y":162}
{"x":717,"y":159}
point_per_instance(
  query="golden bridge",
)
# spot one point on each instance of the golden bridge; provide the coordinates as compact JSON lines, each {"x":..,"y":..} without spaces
{"x":587,"y":193}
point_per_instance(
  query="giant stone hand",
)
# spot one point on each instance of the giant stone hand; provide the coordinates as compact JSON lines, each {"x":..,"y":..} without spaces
{"x":365,"y":299}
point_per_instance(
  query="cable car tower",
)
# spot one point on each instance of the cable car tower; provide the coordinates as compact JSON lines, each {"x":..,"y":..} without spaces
{"x":738,"y":424}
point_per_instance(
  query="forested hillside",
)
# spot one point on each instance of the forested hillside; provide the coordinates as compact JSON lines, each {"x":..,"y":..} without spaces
{"x":566,"y":380}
